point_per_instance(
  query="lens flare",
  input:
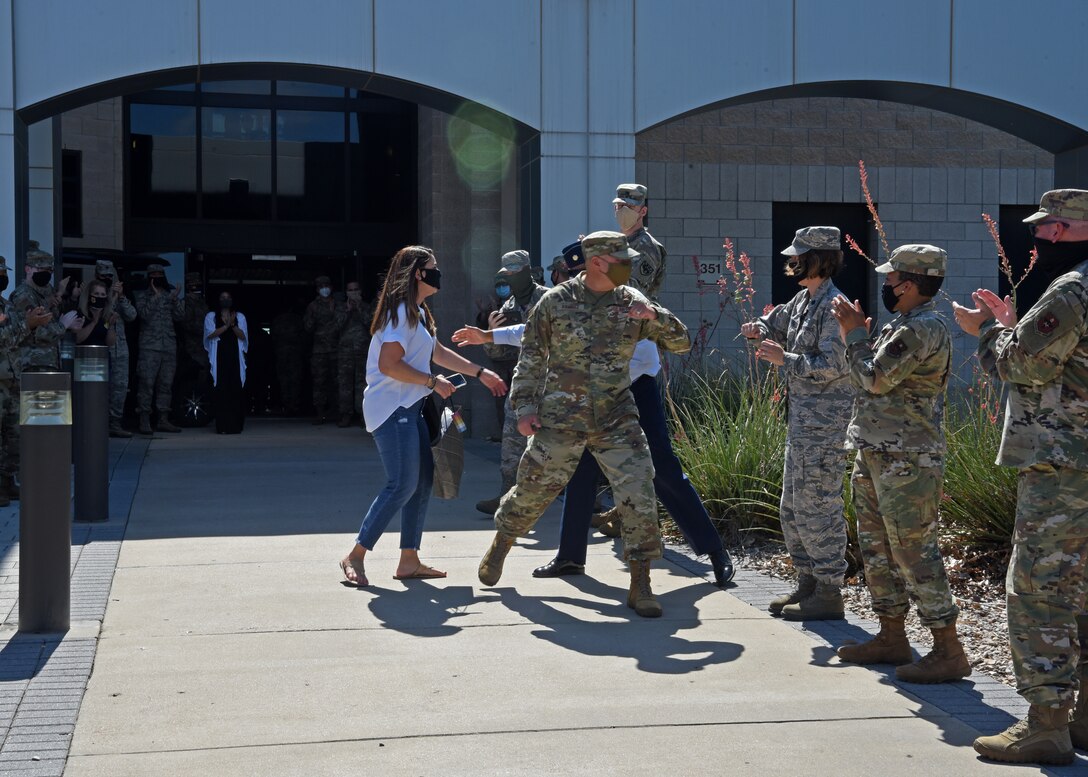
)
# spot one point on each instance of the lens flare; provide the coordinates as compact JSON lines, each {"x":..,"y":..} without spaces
{"x":482,"y":146}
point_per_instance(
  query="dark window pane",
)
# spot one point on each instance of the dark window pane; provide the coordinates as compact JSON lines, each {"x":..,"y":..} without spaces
{"x":71,"y":174}
{"x":382,"y":150}
{"x":236,"y":87}
{"x":306,"y":89}
{"x":177,"y":88}
{"x":237,"y":163}
{"x":310,"y":165}
{"x":162,"y":160}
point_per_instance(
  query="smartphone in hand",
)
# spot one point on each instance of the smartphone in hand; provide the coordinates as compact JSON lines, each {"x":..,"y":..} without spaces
{"x":457,"y":379}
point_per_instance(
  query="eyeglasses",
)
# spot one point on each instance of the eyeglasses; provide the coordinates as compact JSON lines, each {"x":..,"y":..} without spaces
{"x":1034,"y":228}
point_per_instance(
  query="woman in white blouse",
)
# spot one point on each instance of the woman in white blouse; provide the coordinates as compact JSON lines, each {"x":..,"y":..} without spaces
{"x":226,"y":339}
{"x":398,"y":380}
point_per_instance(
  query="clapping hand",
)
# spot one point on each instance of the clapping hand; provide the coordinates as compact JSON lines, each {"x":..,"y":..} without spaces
{"x":495,"y":319}
{"x":772,"y":352}
{"x":750,"y":329}
{"x":640,"y":311}
{"x":849,"y":315}
{"x":1003,"y":309}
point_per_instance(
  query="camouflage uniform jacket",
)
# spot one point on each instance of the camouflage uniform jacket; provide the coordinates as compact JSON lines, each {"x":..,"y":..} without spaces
{"x":902,"y":375}
{"x":13,"y":333}
{"x":40,"y":349}
{"x":192,"y":324}
{"x":514,"y":314}
{"x":573,"y":370}
{"x":158,"y":312}
{"x":324,"y":321}
{"x":649,"y":272}
{"x":355,"y":331}
{"x":1044,"y":359}
{"x":820,"y":390}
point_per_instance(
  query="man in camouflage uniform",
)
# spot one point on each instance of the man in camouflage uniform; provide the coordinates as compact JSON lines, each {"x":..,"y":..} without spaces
{"x":126,"y":313}
{"x":323,"y":320}
{"x":897,"y":431}
{"x":558,"y":270}
{"x":351,"y":359}
{"x":572,"y":392}
{"x":802,"y":337}
{"x":289,"y":338}
{"x":15,"y":329}
{"x":192,"y":325}
{"x":159,"y":308}
{"x":525,"y":293}
{"x":670,"y":483}
{"x":1044,"y":361}
{"x":41,"y":351}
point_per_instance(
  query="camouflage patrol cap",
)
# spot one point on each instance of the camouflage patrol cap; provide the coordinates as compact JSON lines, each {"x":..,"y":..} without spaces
{"x":559,"y":263}
{"x":573,"y":258}
{"x":36,"y":257}
{"x":193,"y":277}
{"x":156,"y":268}
{"x":918,"y":258}
{"x":1071,"y":204}
{"x":630,"y":194}
{"x":514,"y":262}
{"x":607,"y":243}
{"x":814,"y":239}
{"x":322,"y":280}
{"x":104,"y":268}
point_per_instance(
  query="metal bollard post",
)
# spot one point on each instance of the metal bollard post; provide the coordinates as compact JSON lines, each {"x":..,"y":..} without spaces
{"x":90,"y":432}
{"x":45,"y":529}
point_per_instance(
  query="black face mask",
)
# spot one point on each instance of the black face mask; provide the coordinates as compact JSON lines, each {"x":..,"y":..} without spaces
{"x":3,"y":282}
{"x":97,"y":303}
{"x":41,"y":278}
{"x":226,"y":304}
{"x":432,"y":276}
{"x":521,"y":282}
{"x":1058,"y":258}
{"x":158,"y":282}
{"x":887,"y":296}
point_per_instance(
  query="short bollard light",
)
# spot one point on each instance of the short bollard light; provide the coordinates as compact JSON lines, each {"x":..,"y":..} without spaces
{"x":90,"y":432}
{"x":45,"y":531}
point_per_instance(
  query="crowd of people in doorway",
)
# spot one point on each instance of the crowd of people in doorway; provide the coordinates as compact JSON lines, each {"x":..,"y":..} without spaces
{"x":583,"y":401}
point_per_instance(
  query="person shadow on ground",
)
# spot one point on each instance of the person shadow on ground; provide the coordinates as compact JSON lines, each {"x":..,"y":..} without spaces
{"x":655,"y":648}
{"x":421,"y":609}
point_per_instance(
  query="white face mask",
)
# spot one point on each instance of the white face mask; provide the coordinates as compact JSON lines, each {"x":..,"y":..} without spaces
{"x":324,"y":291}
{"x":627,"y":218}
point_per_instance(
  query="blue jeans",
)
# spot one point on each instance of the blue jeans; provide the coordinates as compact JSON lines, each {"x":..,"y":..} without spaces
{"x":404,"y":446}
{"x":671,"y":484}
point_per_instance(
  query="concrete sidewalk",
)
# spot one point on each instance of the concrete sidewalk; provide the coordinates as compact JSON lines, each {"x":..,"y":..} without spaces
{"x":229,"y":646}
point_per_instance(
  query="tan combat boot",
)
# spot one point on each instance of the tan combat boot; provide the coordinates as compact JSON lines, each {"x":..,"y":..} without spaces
{"x":166,"y":426}
{"x":1040,"y":738}
{"x":608,"y":523}
{"x":145,"y":423}
{"x":639,"y":596}
{"x":946,"y":662}
{"x":823,"y":604}
{"x":889,"y":646}
{"x":491,"y":565}
{"x":488,"y":506}
{"x":116,"y":430}
{"x":806,"y":584}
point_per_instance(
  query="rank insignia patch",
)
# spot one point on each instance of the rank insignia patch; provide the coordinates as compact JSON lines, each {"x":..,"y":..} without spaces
{"x":896,"y":348}
{"x":1047,"y":323}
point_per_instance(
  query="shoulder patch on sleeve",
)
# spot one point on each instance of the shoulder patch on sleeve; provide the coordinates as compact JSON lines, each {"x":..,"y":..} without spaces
{"x":1047,"y":323}
{"x":896,"y":348}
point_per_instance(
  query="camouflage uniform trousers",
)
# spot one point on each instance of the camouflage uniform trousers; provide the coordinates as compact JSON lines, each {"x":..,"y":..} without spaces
{"x":118,"y":380}
{"x":289,"y":374}
{"x":513,"y":446}
{"x":323,"y":374}
{"x":155,"y":374}
{"x":551,"y":457}
{"x":896,"y":495}
{"x":351,"y":379}
{"x":9,"y":427}
{"x":1045,"y":585}
{"x":810,"y":512}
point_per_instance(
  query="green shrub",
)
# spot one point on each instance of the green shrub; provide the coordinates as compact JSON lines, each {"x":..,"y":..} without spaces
{"x":730,"y":436}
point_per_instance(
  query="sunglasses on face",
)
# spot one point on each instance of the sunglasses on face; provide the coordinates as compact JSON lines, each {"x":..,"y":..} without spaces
{"x":1034,"y":228}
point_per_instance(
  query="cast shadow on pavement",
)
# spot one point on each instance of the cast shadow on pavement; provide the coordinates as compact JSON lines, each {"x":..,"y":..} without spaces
{"x":24,"y":655}
{"x":959,"y":701}
{"x":655,"y":646}
{"x":421,"y":609}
